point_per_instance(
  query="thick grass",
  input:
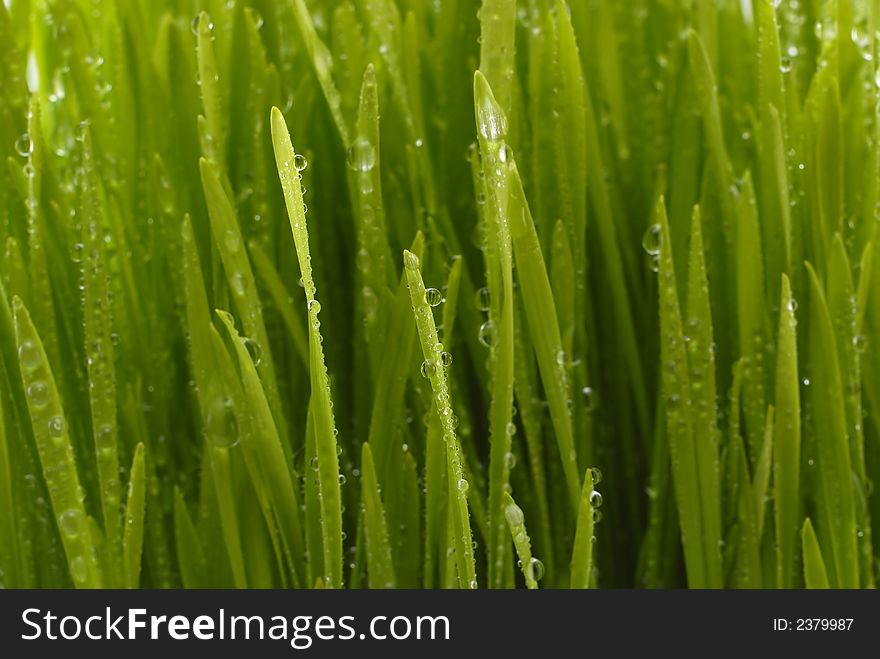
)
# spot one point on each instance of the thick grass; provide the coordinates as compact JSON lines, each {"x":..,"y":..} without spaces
{"x":598,"y":302}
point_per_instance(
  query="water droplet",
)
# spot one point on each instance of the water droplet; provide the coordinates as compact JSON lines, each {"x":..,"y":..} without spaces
{"x":596,"y":499}
{"x":591,"y":400}
{"x":785,"y":64}
{"x":509,"y":460}
{"x":313,"y":463}
{"x":254,"y":350}
{"x":24,"y":145}
{"x":433,"y":297}
{"x":597,"y":515}
{"x":342,"y":479}
{"x":596,"y":475}
{"x":56,"y":427}
{"x":428,"y":368}
{"x":29,"y":355}
{"x":79,"y":571}
{"x":221,"y":423}
{"x":233,"y":244}
{"x":487,"y":334}
{"x":651,"y":240}
{"x":482,"y":299}
{"x":536,"y":568}
{"x":514,"y":514}
{"x":38,"y":393}
{"x":859,"y":343}
{"x":510,"y":429}
{"x":314,"y":307}
{"x":300,"y":162}
{"x":505,"y":153}
{"x":792,"y":305}
{"x":462,"y":485}
{"x":446,"y":358}
{"x":361,"y":155}
{"x":70,"y":522}
{"x":411,"y":261}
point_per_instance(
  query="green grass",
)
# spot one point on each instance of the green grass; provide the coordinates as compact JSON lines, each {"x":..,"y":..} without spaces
{"x":598,"y":302}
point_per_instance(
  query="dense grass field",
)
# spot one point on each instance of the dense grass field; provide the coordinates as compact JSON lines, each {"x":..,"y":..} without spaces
{"x":443,"y":294}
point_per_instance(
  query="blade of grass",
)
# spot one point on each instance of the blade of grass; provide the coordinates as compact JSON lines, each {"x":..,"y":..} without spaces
{"x":133,"y":534}
{"x":56,"y":453}
{"x":815,"y":574}
{"x":321,"y":404}
{"x":582,"y":555}
{"x":437,"y":371}
{"x":380,"y":568}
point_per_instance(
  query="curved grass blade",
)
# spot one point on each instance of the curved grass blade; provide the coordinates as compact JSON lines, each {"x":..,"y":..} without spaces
{"x":133,"y":535}
{"x":379,"y":565}
{"x":55,"y":452}
{"x":458,"y":486}
{"x":321,"y":407}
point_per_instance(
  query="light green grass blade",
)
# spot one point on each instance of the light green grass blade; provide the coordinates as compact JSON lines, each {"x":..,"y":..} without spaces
{"x":815,"y":574}
{"x":494,"y":150}
{"x":834,"y":460}
{"x":133,"y":534}
{"x":437,"y":370}
{"x":321,"y":404}
{"x":380,"y":568}
{"x":540,"y":312}
{"x":100,"y":362}
{"x":761,"y":477}
{"x":701,"y":362}
{"x":677,"y":400}
{"x":51,"y":434}
{"x":582,"y":555}
{"x":787,"y":444}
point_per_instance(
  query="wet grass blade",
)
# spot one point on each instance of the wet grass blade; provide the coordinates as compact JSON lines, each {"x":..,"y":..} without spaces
{"x":56,"y":453}
{"x":133,"y":535}
{"x":582,"y":555}
{"x":435,"y":367}
{"x":321,"y":405}
{"x":531,"y":567}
